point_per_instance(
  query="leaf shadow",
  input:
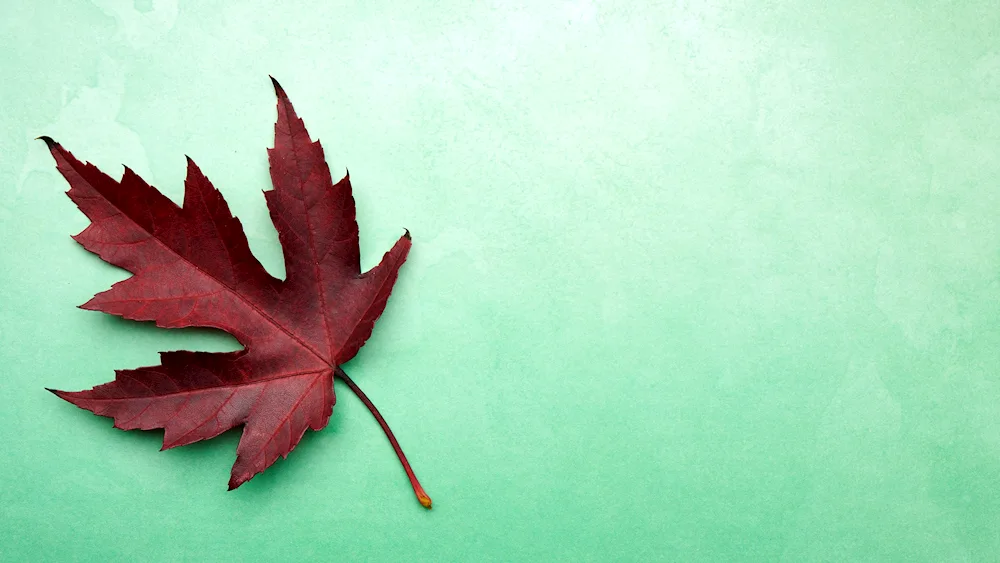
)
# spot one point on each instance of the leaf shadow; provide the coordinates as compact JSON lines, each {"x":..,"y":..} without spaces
{"x":301,"y":463}
{"x":97,"y":424}
{"x":191,"y":338}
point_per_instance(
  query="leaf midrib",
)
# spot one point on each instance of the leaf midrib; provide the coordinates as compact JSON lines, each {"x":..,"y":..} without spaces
{"x":189,"y":391}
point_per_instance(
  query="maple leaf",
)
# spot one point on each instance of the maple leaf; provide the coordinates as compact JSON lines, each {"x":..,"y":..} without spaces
{"x":192,"y":267}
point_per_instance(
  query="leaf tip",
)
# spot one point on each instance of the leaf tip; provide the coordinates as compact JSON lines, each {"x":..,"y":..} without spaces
{"x":48,"y":141}
{"x":277,"y":87}
{"x":407,"y":234}
{"x":192,"y":168}
{"x":61,"y":394}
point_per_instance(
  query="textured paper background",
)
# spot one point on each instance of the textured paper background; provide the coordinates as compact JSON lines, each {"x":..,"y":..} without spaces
{"x":690,"y":280}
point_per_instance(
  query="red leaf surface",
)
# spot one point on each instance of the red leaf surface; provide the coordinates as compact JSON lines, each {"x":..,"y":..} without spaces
{"x":192,"y":267}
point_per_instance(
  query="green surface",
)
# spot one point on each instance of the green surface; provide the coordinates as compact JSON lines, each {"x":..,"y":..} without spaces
{"x":690,"y":281}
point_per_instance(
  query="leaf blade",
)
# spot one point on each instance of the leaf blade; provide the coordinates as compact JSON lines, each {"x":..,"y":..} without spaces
{"x":191,"y":265}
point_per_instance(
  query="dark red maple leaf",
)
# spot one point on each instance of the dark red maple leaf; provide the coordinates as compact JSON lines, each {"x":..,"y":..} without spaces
{"x":192,"y":266}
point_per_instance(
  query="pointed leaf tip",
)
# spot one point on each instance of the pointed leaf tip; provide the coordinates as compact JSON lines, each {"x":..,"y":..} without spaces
{"x":58,"y":393}
{"x":277,"y":87}
{"x":407,"y":234}
{"x":48,"y":141}
{"x":192,"y":166}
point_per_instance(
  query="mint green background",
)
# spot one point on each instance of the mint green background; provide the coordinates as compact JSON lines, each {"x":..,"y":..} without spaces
{"x":691,"y":281}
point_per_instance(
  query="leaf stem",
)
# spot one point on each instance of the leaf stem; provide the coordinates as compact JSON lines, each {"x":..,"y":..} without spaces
{"x":425,"y":500}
